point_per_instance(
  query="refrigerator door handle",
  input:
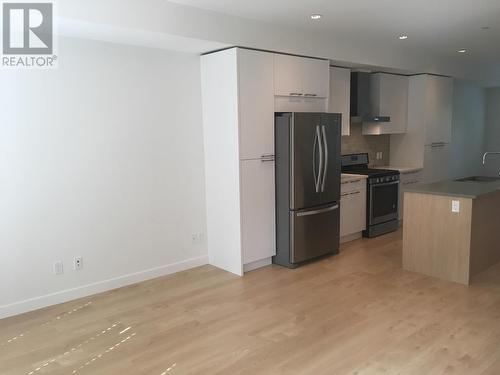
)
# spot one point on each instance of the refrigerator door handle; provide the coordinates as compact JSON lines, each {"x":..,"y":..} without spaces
{"x":325,"y":171}
{"x":317,"y":212}
{"x":314,"y":161}
{"x":317,"y":175}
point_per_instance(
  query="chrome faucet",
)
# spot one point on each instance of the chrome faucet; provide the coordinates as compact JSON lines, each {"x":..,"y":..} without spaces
{"x":490,"y":153}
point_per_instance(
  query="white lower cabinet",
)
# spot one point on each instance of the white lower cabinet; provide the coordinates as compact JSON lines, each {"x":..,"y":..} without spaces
{"x":258,"y":238}
{"x":353,"y":208}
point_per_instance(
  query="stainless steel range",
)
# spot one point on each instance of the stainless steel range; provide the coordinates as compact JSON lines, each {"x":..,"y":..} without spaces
{"x":382,"y":209}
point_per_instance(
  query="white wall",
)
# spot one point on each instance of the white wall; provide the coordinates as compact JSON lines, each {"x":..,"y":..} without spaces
{"x":153,"y":18}
{"x":468,"y":129}
{"x":102,"y":158}
{"x":492,"y":135}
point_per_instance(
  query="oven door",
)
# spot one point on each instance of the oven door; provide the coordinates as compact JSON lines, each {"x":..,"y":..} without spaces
{"x":384,"y":202}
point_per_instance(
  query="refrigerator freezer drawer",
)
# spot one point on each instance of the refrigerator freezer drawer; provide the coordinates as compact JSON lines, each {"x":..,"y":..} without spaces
{"x":314,"y":232}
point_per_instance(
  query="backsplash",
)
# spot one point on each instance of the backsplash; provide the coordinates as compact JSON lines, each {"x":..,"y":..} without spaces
{"x":357,"y":143}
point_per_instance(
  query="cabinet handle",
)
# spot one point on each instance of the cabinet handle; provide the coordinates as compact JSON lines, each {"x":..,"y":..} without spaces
{"x":438,"y":144}
{"x":350,"y":182}
{"x":296,"y":94}
{"x":267,"y":159}
{"x":311,"y":95}
{"x":352,"y":193}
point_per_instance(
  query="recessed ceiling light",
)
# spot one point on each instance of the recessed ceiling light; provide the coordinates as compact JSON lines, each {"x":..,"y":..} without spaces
{"x":316,"y":16}
{"x":462,"y":50}
{"x":403,"y":37}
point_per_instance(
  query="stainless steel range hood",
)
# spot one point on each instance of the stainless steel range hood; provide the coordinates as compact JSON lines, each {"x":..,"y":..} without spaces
{"x":361,"y":101}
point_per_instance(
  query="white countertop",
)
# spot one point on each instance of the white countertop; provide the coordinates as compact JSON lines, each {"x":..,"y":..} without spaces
{"x":401,"y":169}
{"x":459,"y":189}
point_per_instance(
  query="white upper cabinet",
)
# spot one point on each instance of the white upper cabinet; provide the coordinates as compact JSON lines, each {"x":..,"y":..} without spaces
{"x":388,"y":97}
{"x":300,"y":77}
{"x":439,"y":109}
{"x":287,"y":75}
{"x":393,"y":100}
{"x":339,"y":100}
{"x":315,"y":77}
{"x":256,"y":103}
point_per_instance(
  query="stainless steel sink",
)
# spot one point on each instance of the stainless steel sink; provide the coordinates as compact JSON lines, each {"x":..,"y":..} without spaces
{"x":478,"y":179}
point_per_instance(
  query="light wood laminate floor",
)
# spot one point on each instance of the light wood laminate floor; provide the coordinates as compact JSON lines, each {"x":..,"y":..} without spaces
{"x":356,"y":313}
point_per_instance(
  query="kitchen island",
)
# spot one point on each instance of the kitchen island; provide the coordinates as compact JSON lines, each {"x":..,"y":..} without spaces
{"x":451,"y":228}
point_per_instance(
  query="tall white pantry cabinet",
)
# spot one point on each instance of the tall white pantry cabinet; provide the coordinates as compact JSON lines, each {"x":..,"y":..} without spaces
{"x":427,"y":142}
{"x":238,"y":126}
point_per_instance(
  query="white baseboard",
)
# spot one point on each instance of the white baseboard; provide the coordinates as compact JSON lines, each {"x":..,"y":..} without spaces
{"x":258,"y":264}
{"x":351,"y":237}
{"x":98,"y":287}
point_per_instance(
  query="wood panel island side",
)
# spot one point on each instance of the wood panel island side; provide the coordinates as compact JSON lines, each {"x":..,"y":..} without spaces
{"x":451,"y":229}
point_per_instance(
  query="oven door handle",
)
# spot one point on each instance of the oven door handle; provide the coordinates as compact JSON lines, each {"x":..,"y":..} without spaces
{"x":386,"y":184}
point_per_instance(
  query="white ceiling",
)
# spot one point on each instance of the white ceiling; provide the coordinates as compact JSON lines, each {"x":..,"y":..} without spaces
{"x":355,"y":33}
{"x":435,"y":27}
{"x":143,"y":38}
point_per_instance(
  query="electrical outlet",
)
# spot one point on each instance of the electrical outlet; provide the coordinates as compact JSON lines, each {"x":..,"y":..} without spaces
{"x":380,"y":155}
{"x":197,"y":237}
{"x":78,"y":263}
{"x":455,"y":207}
{"x":58,"y":268}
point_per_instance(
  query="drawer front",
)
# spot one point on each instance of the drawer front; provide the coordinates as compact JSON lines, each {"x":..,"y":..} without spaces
{"x":353,"y":185}
{"x":411,"y":178}
{"x":353,"y":212}
{"x":314,"y":233}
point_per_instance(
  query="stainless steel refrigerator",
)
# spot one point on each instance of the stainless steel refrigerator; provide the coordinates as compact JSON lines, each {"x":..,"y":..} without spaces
{"x":307,"y":148}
